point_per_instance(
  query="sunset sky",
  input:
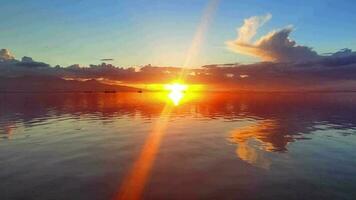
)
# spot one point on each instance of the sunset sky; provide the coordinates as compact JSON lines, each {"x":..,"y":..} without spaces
{"x":138,"y":32}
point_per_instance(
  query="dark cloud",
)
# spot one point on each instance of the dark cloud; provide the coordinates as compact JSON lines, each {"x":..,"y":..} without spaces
{"x":30,"y":63}
{"x":26,"y":59}
{"x":107,"y":59}
{"x":334,"y":71}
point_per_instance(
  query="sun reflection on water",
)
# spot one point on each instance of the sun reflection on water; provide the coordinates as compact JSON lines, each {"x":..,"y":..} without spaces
{"x":176,"y":97}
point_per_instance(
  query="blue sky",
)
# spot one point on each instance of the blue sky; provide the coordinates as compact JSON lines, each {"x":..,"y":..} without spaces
{"x":138,"y":32}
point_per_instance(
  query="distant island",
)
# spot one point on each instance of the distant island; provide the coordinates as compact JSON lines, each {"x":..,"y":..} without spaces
{"x":55,"y":84}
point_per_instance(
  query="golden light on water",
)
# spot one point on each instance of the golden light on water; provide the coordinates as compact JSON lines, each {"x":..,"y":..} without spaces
{"x":175,"y":97}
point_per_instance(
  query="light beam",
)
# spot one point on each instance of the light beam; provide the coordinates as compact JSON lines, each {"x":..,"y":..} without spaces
{"x":134,"y":183}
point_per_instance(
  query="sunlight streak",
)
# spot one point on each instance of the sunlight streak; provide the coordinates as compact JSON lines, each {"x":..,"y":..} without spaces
{"x":133,"y":185}
{"x":199,"y":35}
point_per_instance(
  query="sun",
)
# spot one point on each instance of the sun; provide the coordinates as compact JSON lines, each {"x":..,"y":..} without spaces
{"x":176,"y":87}
{"x":176,"y":92}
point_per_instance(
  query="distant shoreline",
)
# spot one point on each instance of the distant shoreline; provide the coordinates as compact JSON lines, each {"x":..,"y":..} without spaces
{"x":154,"y":91}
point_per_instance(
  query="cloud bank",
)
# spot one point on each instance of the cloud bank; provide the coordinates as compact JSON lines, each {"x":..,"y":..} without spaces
{"x":294,"y":67}
{"x":275,"y":46}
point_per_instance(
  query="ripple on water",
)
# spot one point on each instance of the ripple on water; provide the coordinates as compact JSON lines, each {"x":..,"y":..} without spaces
{"x":234,"y":144}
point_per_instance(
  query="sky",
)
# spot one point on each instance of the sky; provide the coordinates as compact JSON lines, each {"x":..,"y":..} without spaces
{"x":139,"y":32}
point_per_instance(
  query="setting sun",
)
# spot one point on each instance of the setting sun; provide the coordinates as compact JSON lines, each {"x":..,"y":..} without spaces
{"x":176,"y":87}
{"x":176,"y":92}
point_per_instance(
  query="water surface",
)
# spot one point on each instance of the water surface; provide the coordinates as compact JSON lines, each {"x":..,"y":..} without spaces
{"x":215,"y":146}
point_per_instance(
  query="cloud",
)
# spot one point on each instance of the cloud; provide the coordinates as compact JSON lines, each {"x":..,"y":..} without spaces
{"x":27,"y":59}
{"x":107,"y":59}
{"x":331,"y":72}
{"x":249,"y":29}
{"x":275,"y":46}
{"x":5,"y":55}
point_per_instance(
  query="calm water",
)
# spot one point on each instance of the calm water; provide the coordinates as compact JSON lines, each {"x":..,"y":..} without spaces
{"x":215,"y":146}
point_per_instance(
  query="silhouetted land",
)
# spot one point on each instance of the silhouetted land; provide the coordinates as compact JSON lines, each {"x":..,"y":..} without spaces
{"x":50,"y":84}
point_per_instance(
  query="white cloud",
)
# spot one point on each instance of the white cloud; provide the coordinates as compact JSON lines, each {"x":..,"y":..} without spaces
{"x":274,"y":46}
{"x":249,"y":29}
{"x":5,"y":55}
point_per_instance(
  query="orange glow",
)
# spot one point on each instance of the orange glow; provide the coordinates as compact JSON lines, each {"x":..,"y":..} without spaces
{"x":163,"y":87}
